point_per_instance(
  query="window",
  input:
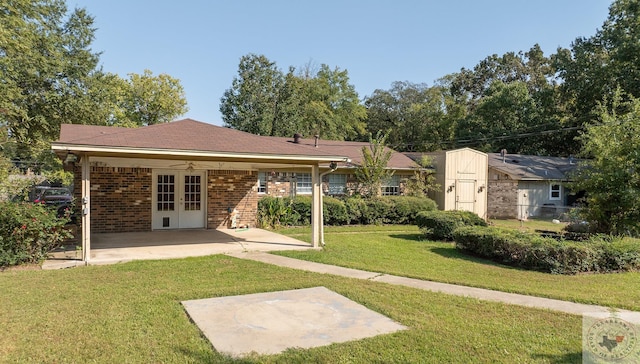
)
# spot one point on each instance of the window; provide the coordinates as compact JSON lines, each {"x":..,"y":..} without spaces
{"x":303,"y":183}
{"x":555,"y":192}
{"x":337,"y":184}
{"x":391,"y":187}
{"x":192,"y":193}
{"x":262,"y":182}
{"x":166,"y":192}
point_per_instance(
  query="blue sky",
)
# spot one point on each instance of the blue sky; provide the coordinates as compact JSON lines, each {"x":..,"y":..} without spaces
{"x":378,"y":42}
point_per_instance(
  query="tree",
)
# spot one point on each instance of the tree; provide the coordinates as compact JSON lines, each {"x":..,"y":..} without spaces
{"x":262,"y":100}
{"x":511,"y":101}
{"x":611,"y":175}
{"x":423,"y":180}
{"x":150,"y":100}
{"x":594,"y":67}
{"x":251,"y":103}
{"x":373,"y":171}
{"x":45,"y":62}
{"x":414,"y":116}
{"x":505,"y":110}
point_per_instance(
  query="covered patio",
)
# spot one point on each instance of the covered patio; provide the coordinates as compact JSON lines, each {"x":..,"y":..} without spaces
{"x":110,"y":248}
{"x":184,"y":175}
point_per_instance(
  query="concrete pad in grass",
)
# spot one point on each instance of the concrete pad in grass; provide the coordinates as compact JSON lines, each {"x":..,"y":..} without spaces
{"x":269,"y":323}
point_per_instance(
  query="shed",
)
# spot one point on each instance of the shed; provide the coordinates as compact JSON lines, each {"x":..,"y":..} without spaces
{"x":462,"y":177}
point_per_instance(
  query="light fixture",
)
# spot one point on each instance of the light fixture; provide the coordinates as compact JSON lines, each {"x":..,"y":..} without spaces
{"x":70,"y":158}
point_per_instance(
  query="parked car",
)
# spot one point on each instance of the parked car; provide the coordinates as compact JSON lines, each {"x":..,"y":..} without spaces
{"x":59,"y":198}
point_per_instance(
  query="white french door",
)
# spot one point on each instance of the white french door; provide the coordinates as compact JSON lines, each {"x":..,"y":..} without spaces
{"x":178,"y":199}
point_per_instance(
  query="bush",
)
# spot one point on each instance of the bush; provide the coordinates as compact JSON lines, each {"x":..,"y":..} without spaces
{"x":334,"y":211}
{"x":276,"y":211}
{"x":300,"y":210}
{"x":28,"y":232}
{"x":406,"y":208}
{"x":356,"y":209}
{"x":440,"y":225}
{"x":547,"y":254}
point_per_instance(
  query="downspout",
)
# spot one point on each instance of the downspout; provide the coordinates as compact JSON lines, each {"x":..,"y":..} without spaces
{"x":333,"y":166}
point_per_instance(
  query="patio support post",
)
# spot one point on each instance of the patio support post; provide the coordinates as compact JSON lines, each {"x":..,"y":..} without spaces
{"x":86,"y":209}
{"x":316,"y":205}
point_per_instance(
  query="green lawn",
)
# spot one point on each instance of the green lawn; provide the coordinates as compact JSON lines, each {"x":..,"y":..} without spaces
{"x":401,"y":250}
{"x":132,"y":313}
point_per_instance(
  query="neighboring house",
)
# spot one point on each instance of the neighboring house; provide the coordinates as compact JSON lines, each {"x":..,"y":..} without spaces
{"x":188,"y":174}
{"x":462,"y":177}
{"x":342,"y":181}
{"x":522,"y":186}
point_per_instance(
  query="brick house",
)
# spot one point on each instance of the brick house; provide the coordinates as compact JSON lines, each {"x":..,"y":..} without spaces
{"x":341,"y":182}
{"x":188,"y":174}
{"x":523,"y":186}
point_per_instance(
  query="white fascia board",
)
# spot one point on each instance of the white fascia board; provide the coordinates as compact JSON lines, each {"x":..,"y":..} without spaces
{"x":193,"y":153}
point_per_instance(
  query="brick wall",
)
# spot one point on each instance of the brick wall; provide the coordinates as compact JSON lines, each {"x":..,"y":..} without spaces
{"x":231,"y":189}
{"x":120,"y":198}
{"x":502,"y":196}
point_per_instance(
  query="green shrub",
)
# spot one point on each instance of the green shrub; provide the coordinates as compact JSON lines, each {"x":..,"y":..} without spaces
{"x":532,"y":251}
{"x":440,"y":225}
{"x":356,"y":209}
{"x":274,"y":212}
{"x":28,"y":232}
{"x":300,"y":210}
{"x":334,"y":211}
{"x":620,"y":254}
{"x":406,"y":208}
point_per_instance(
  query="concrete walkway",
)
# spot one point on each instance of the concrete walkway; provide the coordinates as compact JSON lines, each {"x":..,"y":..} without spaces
{"x":479,"y":293}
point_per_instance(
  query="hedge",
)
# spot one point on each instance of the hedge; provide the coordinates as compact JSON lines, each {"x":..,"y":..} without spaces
{"x":276,"y":211}
{"x":28,"y":232}
{"x":550,"y":255}
{"x":440,"y":225}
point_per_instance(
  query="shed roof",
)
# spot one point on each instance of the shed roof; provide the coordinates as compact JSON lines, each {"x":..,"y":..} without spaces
{"x":533,"y":168}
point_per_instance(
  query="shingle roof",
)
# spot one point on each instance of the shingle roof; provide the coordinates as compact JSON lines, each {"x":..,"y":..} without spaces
{"x":353,"y":150}
{"x":533,"y":168}
{"x":192,"y":135}
{"x":185,"y":135}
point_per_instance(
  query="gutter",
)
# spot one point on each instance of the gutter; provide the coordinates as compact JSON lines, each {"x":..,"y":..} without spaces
{"x":193,"y":153}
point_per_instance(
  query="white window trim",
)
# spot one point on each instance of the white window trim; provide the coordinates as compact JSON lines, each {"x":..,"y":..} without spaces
{"x":392,"y":182}
{"x":337,"y":185}
{"x":303,"y":190}
{"x":262,"y":182}
{"x":551,"y":191}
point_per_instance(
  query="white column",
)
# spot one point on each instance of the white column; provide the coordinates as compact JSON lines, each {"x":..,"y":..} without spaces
{"x":86,"y":209}
{"x":316,"y":205}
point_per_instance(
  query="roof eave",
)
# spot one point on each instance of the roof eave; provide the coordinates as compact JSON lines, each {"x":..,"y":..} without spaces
{"x":64,"y":147}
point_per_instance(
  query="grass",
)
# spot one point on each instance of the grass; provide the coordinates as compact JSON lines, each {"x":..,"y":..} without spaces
{"x":402,"y":251}
{"x":132,"y":313}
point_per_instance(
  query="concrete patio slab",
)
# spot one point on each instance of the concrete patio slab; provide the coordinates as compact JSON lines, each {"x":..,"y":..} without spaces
{"x":168,"y":244}
{"x":269,"y":323}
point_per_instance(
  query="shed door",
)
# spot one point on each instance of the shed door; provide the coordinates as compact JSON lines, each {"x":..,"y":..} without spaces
{"x":466,"y":195}
{"x":178,"y":199}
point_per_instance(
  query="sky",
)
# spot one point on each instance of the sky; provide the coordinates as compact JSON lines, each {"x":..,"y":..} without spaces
{"x":200,"y":42}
